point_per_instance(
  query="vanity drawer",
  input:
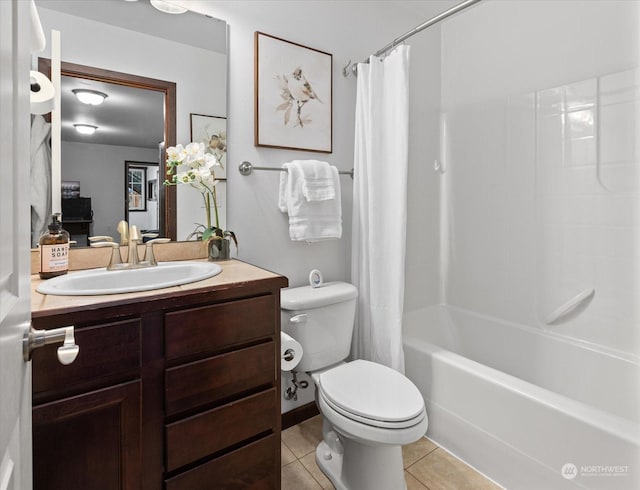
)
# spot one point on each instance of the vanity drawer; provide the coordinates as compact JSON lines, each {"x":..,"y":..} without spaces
{"x":216,"y":378}
{"x":251,"y":466}
{"x":106,"y":351}
{"x":211,"y":328}
{"x":201,"y":435}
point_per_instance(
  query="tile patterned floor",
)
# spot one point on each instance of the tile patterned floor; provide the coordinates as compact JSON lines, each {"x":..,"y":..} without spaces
{"x":426,"y":465}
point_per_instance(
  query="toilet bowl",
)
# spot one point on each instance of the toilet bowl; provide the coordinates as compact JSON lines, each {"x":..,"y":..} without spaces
{"x":374,"y":410}
{"x":369,"y":410}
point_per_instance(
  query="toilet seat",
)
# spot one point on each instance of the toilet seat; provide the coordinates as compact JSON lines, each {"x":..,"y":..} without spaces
{"x":372,"y":394}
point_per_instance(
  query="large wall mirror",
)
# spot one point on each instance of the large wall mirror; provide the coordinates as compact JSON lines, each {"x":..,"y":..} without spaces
{"x":157,"y":70}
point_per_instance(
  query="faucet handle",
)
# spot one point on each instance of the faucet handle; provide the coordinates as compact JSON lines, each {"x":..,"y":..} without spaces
{"x":158,"y":240}
{"x":100,"y":238}
{"x":148,"y":254}
{"x":116,"y":259}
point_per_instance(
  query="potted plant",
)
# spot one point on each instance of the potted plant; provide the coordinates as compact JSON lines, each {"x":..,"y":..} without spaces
{"x":194,"y":166}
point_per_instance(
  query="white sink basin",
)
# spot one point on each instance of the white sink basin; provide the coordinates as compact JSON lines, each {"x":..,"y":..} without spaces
{"x":102,"y":281}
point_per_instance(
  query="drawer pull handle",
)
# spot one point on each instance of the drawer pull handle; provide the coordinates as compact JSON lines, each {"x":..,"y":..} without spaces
{"x":34,"y":339}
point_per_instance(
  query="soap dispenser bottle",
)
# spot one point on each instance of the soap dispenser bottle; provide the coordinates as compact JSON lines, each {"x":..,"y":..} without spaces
{"x":54,"y":250}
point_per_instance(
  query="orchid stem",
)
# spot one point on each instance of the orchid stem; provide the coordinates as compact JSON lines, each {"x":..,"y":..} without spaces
{"x":207,"y":208}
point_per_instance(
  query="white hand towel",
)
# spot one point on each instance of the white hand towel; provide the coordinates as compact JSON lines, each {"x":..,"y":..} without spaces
{"x":317,"y":181}
{"x":310,"y":221}
{"x":282,"y":194}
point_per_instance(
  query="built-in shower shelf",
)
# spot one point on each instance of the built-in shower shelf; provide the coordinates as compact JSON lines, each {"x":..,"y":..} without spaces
{"x":568,"y":307}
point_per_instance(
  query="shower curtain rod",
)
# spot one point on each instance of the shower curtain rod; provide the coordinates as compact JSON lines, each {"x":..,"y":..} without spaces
{"x":434,"y":20}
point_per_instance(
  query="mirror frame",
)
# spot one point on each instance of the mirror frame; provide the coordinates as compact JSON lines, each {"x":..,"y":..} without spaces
{"x":166,"y":193}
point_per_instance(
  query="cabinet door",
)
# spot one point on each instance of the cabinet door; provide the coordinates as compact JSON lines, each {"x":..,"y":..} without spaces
{"x":89,"y":441}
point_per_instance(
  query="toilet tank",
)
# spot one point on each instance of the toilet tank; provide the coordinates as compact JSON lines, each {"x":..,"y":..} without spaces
{"x":321,"y":319}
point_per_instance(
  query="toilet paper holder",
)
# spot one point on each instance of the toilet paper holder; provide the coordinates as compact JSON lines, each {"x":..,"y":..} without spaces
{"x":288,"y":355}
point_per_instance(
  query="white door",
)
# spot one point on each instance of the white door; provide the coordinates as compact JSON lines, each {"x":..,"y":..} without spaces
{"x":15,"y":223}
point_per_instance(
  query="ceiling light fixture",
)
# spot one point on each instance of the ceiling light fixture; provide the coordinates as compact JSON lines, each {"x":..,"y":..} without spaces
{"x":85,"y":128}
{"x":91,"y":97}
{"x":167,"y":8}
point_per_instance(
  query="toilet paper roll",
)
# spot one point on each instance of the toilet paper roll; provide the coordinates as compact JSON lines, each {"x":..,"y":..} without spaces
{"x":290,"y":352}
{"x":42,"y":93}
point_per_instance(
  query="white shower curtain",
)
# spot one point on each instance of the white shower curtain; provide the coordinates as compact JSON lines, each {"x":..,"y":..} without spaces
{"x":380,"y":206}
{"x":40,"y":177}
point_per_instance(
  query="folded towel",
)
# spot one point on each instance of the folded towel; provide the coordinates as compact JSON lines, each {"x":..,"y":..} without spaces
{"x":309,"y":221}
{"x":282,"y":195}
{"x":317,"y":181}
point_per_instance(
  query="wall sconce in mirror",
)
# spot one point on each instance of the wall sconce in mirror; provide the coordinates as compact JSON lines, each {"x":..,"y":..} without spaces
{"x":168,"y":8}
{"x":90,"y":97}
{"x":85,"y":128}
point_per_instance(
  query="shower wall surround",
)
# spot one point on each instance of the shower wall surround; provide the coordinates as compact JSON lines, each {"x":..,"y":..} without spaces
{"x":587,"y":185}
{"x":541,"y":102}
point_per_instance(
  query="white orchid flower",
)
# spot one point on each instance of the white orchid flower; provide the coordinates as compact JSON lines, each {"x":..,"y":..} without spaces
{"x":175,"y":153}
{"x":190,"y":155}
{"x":183,"y":177}
{"x":203,"y":173}
{"x":196,"y":168}
{"x":210,"y":160}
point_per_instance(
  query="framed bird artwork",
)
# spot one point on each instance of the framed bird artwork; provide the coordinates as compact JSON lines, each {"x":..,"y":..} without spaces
{"x":293,"y":95}
{"x":212,"y":131}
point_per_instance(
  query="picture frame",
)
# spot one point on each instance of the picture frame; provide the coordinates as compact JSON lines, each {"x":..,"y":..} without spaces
{"x":152,"y":190}
{"x":293,"y":95}
{"x":212,"y":131}
{"x":136,"y":188}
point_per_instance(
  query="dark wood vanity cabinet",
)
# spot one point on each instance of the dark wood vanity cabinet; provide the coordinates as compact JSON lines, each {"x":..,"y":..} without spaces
{"x":174,"y":392}
{"x":90,"y":440}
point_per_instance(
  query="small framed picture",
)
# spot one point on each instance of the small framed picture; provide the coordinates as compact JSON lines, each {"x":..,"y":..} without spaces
{"x":293,"y":95}
{"x":212,"y":131}
{"x":152,"y":190}
{"x":136,"y":188}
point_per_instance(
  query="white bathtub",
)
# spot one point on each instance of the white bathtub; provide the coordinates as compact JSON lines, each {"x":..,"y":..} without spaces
{"x":520,"y":405}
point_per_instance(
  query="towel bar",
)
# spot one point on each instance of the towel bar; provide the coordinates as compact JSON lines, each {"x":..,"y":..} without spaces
{"x":246,"y":168}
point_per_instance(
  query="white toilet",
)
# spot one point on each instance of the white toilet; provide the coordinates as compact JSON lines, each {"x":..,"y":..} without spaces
{"x":369,"y":410}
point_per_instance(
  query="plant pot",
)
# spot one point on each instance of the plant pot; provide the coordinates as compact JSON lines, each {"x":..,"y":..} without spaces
{"x":219,"y":248}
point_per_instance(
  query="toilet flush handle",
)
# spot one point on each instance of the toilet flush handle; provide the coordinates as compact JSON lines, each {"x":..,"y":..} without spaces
{"x":301,"y":318}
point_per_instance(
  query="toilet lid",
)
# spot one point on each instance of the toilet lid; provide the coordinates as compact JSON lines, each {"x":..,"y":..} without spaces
{"x":371,"y":391}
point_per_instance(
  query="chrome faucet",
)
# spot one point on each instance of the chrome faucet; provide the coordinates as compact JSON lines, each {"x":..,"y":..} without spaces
{"x":129,"y":235}
{"x":134,"y":239}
